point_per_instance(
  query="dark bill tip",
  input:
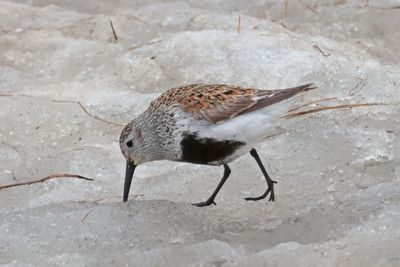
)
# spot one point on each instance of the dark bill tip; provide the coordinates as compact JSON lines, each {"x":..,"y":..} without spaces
{"x":130,"y":169}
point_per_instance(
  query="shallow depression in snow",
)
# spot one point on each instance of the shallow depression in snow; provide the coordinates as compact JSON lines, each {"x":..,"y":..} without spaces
{"x":67,"y":87}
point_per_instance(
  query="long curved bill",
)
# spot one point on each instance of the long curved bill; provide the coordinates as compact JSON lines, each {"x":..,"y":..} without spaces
{"x":130,"y":169}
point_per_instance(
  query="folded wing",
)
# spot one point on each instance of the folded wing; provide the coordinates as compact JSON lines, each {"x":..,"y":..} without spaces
{"x":234,"y":101}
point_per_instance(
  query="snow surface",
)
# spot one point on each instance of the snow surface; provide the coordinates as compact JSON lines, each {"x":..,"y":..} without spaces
{"x":338,"y":196}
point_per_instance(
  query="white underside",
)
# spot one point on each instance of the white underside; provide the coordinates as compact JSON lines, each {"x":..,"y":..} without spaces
{"x":250,"y":128}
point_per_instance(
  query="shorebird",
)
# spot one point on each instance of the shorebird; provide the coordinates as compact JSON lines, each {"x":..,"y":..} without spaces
{"x":205,"y":124}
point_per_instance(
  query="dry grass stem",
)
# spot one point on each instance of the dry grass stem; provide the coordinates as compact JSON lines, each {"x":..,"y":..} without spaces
{"x":313,"y":102}
{"x":384,"y":8}
{"x":87,"y":112}
{"x":307,"y":6}
{"x":113,"y":31}
{"x":86,"y":215}
{"x":322,"y":52}
{"x":345,"y":106}
{"x":41,"y":180}
{"x":359,"y":86}
{"x":69,"y":101}
{"x":286,"y":6}
{"x":356,"y":89}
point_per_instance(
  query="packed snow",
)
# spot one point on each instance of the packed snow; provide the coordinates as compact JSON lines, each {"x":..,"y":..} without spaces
{"x":67,"y":87}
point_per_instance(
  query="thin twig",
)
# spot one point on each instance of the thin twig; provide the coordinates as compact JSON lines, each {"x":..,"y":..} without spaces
{"x":286,"y":6}
{"x":238,"y":25}
{"x":339,"y":2}
{"x":142,"y":45}
{"x":80,"y":149}
{"x":307,"y":6}
{"x":351,"y":92}
{"x":87,"y":112}
{"x":284,"y":26}
{"x":313,"y":102}
{"x":113,"y":30}
{"x":70,"y":101}
{"x":322,"y":52}
{"x":87,"y":214}
{"x":97,"y":117}
{"x":345,"y":106}
{"x":362,"y":83}
{"x":272,"y":135}
{"x":41,"y":180}
{"x":384,"y":8}
{"x":12,"y":146}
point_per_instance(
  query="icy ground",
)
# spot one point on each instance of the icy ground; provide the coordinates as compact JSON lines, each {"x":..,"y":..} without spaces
{"x":338,"y":196}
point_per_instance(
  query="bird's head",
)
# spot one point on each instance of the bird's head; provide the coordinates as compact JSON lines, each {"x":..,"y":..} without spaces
{"x":130,"y":142}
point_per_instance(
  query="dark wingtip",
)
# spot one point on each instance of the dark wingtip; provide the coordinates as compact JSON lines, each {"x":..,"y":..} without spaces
{"x":307,"y":87}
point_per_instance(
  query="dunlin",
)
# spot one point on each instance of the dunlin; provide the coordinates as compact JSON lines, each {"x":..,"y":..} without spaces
{"x":205,"y":124}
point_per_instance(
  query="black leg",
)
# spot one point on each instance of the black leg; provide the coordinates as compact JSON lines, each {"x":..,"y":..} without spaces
{"x":270,"y":182}
{"x":210,"y":200}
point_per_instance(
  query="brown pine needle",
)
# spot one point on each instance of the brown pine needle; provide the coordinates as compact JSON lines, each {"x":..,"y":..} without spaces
{"x":316,"y":47}
{"x":113,"y":30}
{"x":87,"y":112}
{"x":238,"y":25}
{"x":307,"y":6}
{"x":86,"y":215}
{"x":41,"y":180}
{"x":345,"y":106}
{"x":358,"y":87}
{"x":313,"y":102}
{"x":97,"y":117}
{"x":384,"y":8}
{"x":286,"y":6}
{"x":69,"y":101}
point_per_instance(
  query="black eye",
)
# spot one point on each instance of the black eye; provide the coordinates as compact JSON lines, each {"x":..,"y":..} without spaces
{"x":129,"y":143}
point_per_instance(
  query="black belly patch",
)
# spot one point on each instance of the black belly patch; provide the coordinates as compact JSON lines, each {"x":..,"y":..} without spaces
{"x":207,"y":150}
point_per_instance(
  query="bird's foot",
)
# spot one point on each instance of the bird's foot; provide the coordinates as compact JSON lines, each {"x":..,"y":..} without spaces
{"x":269,"y":190}
{"x":205,"y":203}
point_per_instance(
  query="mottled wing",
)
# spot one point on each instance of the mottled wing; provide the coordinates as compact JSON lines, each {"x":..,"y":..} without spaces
{"x":226,"y":102}
{"x":221,"y":102}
